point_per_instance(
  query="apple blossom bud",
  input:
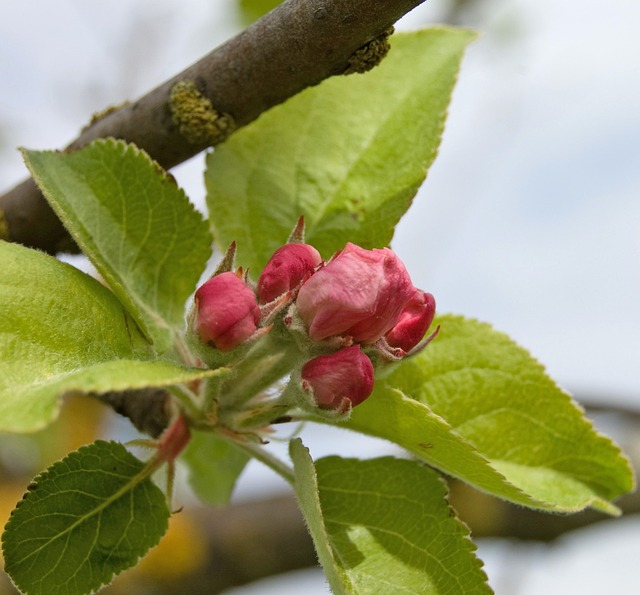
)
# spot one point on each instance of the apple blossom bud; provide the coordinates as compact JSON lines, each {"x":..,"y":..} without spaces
{"x":286,"y":269}
{"x":359,"y":293}
{"x":226,"y":311}
{"x":414,"y":321}
{"x":345,"y":374}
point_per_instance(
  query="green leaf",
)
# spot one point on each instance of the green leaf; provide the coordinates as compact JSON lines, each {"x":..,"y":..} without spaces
{"x":349,"y":154}
{"x":385,"y":527}
{"x":133,"y":222}
{"x":307,"y":494}
{"x":214,"y":466}
{"x":252,"y":10}
{"x":60,"y":331}
{"x":479,"y":407}
{"x":86,"y":518}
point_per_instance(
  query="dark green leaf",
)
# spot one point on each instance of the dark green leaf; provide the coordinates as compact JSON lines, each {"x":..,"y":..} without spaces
{"x":86,"y":518}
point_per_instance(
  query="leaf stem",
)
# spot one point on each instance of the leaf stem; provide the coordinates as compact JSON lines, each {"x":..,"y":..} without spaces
{"x":188,"y":400}
{"x":274,"y":463}
{"x":263,"y":366}
{"x":183,"y":352}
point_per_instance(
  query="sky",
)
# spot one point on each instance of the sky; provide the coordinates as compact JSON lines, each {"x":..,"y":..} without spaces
{"x":529,"y":218}
{"x":540,"y":235}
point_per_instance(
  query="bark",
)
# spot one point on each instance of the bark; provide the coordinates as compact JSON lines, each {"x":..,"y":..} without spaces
{"x":297,"y":45}
{"x":149,"y":409}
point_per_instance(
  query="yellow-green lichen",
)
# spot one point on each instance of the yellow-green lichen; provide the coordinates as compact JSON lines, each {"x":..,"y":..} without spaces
{"x":4,"y":227}
{"x":195,"y":116}
{"x":371,"y":54}
{"x":105,"y":112}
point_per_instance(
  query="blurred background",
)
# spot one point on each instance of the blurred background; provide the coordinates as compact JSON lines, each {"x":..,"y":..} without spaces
{"x":529,"y":219}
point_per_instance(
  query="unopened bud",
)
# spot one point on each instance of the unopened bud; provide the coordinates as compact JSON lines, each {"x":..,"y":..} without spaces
{"x":226,"y":311}
{"x":414,"y":321}
{"x":345,"y":374}
{"x":289,"y":266}
{"x":359,"y":293}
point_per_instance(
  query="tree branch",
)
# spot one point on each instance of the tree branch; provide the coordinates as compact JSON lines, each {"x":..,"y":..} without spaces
{"x":297,"y":45}
{"x":148,"y":409}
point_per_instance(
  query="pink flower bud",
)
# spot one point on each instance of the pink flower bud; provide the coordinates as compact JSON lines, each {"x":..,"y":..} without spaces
{"x":359,"y":293}
{"x":414,"y":321}
{"x":227,"y":312}
{"x":345,"y":374}
{"x":286,"y":269}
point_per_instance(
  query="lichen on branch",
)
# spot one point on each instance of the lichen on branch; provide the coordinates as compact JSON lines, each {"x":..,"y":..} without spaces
{"x":370,"y":54}
{"x":197,"y":120}
{"x":294,"y":46}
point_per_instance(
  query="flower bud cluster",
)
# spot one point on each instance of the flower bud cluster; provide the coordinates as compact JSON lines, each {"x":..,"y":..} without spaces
{"x":358,"y":307}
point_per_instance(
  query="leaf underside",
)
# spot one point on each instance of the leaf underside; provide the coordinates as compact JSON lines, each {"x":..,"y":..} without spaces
{"x":62,"y":331}
{"x":214,"y":466}
{"x":349,"y":154}
{"x":135,"y":225}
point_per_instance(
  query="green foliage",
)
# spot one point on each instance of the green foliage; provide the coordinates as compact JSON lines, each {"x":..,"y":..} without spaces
{"x":134,"y":223}
{"x":349,"y":154}
{"x":384,"y":526}
{"x":307,"y":492}
{"x":479,"y":407}
{"x":252,"y":10}
{"x":63,"y":331}
{"x":214,"y":466}
{"x":89,"y":516}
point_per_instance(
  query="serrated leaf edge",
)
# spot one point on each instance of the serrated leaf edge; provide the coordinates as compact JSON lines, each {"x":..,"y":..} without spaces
{"x":597,"y":502}
{"x":79,"y":232}
{"x":465,"y":532}
{"x":144,"y":473}
{"x":300,"y":455}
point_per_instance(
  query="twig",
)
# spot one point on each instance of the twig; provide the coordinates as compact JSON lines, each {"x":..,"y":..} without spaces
{"x":297,"y":45}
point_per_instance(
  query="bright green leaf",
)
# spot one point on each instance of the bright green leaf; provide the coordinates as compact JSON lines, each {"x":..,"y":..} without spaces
{"x":214,"y":466}
{"x":251,"y":10}
{"x":349,"y":154}
{"x":308,"y":495}
{"x":479,"y":407}
{"x":389,"y":527}
{"x":60,"y":331}
{"x":133,"y":222}
{"x":86,"y":518}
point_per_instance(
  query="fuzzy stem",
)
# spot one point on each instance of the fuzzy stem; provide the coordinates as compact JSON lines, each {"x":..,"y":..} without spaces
{"x":188,"y":400}
{"x":269,"y":361}
{"x":274,"y":463}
